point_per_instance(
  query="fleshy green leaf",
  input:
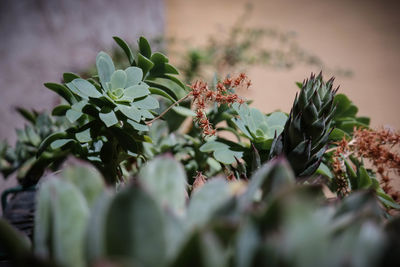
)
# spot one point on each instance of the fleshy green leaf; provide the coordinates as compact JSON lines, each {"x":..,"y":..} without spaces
{"x":118,"y":79}
{"x":109,"y":118}
{"x":144,"y":47}
{"x":143,"y":236}
{"x":126,"y":49}
{"x":105,"y":68}
{"x":62,"y":91}
{"x":138,"y":126}
{"x":165,"y":179}
{"x":130,"y":111}
{"x":137,"y":91}
{"x":134,"y":76}
{"x":148,"y":102}
{"x":84,"y":136}
{"x":69,"y":77}
{"x":84,"y":89}
{"x":186,"y":112}
{"x":144,"y":63}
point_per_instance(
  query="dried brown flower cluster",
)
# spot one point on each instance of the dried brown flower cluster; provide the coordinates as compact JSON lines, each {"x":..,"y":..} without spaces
{"x":338,"y":168}
{"x":202,"y":96}
{"x":383,"y":149}
{"x":380,"y":147}
{"x":199,"y":181}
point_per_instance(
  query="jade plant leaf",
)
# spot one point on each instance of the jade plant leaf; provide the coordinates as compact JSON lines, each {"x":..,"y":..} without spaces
{"x":165,"y":179}
{"x":142,"y":241}
{"x":105,"y":68}
{"x":60,"y":223}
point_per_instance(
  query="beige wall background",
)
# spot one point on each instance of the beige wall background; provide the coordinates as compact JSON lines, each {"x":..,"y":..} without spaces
{"x":361,"y":35}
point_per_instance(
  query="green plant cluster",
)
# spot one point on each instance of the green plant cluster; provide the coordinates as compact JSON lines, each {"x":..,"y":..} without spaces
{"x":22,"y":157}
{"x":271,"y":221}
{"x":142,"y":206}
{"x":109,"y":111}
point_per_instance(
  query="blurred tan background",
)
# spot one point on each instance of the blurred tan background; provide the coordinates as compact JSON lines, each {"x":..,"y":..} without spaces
{"x":361,"y":35}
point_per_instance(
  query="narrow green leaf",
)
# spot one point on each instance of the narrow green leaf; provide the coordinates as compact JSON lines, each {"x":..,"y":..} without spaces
{"x":62,"y":91}
{"x":27,"y":115}
{"x":59,"y":143}
{"x":60,"y":110}
{"x":50,"y":139}
{"x":156,"y":91}
{"x":144,"y":47}
{"x":186,"y":112}
{"x":69,"y":77}
{"x":171,"y":69}
{"x":145,"y":64}
{"x":126,"y":49}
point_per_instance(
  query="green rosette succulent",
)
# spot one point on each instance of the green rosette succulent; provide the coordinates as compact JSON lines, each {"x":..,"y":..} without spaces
{"x":306,"y":133}
{"x":108,"y":112}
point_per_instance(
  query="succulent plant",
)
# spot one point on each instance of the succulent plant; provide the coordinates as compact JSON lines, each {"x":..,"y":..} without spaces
{"x":108,"y":111}
{"x":307,"y":130}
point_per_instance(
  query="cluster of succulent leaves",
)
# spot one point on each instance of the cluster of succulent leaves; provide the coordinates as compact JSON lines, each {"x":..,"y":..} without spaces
{"x":109,"y":111}
{"x":267,"y":216}
{"x":21,"y":158}
{"x":271,"y":221}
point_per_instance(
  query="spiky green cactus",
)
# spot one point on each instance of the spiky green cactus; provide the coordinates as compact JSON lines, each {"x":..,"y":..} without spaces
{"x":307,"y":129}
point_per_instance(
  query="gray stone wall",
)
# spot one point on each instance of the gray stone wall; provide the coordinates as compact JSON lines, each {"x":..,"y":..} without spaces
{"x":41,"y":39}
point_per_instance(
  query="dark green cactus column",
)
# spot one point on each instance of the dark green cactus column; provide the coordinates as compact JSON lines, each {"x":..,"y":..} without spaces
{"x":305,"y":136}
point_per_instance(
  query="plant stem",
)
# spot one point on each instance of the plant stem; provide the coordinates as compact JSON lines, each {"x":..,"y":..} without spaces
{"x":165,"y":111}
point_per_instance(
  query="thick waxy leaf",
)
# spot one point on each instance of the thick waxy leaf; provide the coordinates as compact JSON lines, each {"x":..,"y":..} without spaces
{"x":144,"y":63}
{"x":118,"y":79}
{"x":50,"y":139}
{"x":60,"y":143}
{"x":75,"y":112}
{"x":138,"y":126}
{"x":144,"y":47}
{"x":62,"y":91}
{"x":60,"y":223}
{"x":95,"y":235}
{"x":206,"y":201}
{"x":169,"y":86}
{"x":105,"y":68}
{"x":184,"y":111}
{"x":126,"y":49}
{"x":134,"y":76}
{"x":137,"y":91}
{"x":148,"y":102}
{"x":142,"y":240}
{"x":88,"y":180}
{"x":156,"y":91}
{"x":221,"y":152}
{"x":109,"y":118}
{"x":60,"y":110}
{"x":130,"y":111}
{"x":84,"y":136}
{"x":69,"y":77}
{"x":165,"y":179}
{"x":83,"y":89}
